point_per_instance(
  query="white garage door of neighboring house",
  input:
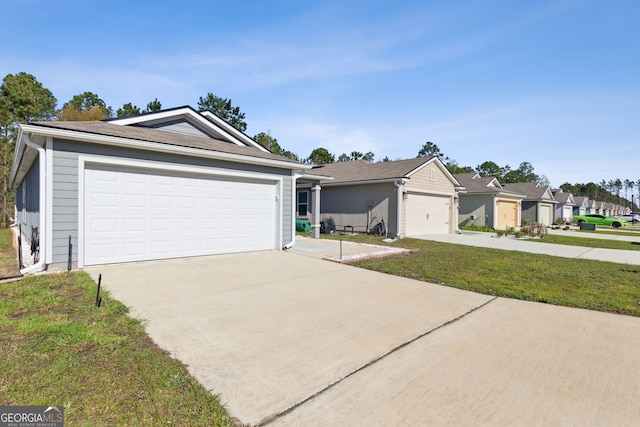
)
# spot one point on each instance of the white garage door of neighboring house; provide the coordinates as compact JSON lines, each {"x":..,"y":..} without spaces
{"x":546,"y":214}
{"x":426,"y":214}
{"x":567,"y":212}
{"x":136,"y":215}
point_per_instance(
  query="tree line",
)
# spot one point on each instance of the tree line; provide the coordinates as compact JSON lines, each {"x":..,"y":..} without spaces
{"x":24,"y":99}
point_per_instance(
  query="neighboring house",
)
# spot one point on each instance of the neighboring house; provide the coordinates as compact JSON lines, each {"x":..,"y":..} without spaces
{"x":566,"y":202}
{"x":486,"y":203}
{"x":173,"y":183}
{"x":593,"y":207}
{"x":538,"y":206}
{"x":413,"y":197}
{"x":581,"y":205}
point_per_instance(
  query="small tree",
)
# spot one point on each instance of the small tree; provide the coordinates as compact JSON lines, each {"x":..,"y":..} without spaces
{"x":430,"y":149}
{"x":128,"y":109}
{"x":86,"y":101}
{"x":320,"y":156}
{"x":22,"y":99}
{"x":223,"y":108}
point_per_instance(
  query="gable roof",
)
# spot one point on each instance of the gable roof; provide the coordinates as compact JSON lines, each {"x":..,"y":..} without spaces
{"x":564,"y":198}
{"x":476,"y":184}
{"x":205,"y":121}
{"x":361,"y":171}
{"x":532,"y":191}
{"x":139,"y":138}
{"x":581,"y":200}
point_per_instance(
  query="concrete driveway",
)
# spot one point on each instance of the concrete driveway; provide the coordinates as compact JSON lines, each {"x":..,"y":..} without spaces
{"x":288,"y":339}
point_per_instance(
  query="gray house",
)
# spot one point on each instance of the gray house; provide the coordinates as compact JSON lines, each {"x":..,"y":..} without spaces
{"x":174,"y":183}
{"x":484,"y":202}
{"x":581,"y":205}
{"x":413,"y":196}
{"x":566,"y":202}
{"x":538,"y":206}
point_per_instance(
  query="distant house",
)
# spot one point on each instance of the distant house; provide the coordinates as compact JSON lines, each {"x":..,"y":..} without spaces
{"x":412,"y":197}
{"x":484,"y":202}
{"x":581,"y":205}
{"x":566,"y":202}
{"x":538,"y":206}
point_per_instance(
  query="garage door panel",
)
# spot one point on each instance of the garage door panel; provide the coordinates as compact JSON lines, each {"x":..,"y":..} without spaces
{"x":141,"y":215}
{"x":426,"y":214}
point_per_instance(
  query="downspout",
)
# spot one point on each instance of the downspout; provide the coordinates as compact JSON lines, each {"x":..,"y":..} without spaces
{"x":398,"y":184}
{"x":40,"y":265}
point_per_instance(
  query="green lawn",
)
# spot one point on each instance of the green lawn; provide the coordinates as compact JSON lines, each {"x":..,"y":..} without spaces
{"x":8,"y":254}
{"x":590,"y":243}
{"x":57,"y":348}
{"x":579,"y":283}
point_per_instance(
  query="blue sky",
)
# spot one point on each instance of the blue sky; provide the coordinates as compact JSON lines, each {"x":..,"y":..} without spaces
{"x":554,"y":83}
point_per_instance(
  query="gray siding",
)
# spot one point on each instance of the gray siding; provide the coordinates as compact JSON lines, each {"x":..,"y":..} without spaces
{"x":183,"y":127}
{"x":479,"y":205}
{"x":530,"y":211}
{"x":349,"y":205}
{"x":28,"y":201}
{"x":65,"y":187}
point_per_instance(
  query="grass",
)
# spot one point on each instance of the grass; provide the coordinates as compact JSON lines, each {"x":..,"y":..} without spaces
{"x":8,"y":254}
{"x":57,"y":348}
{"x":588,"y":284}
{"x":590,"y":243}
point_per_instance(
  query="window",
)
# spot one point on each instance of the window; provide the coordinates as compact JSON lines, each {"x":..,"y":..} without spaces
{"x":303,"y":203}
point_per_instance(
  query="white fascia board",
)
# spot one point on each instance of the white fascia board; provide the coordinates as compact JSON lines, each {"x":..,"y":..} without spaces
{"x":370,"y":181}
{"x":159,"y":147}
{"x":17,"y":157}
{"x":220,"y":125}
{"x":442,"y":168}
{"x":315,"y":177}
{"x":230,"y":131}
{"x":150,"y":117}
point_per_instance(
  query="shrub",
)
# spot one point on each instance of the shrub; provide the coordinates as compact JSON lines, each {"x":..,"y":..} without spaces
{"x":535,"y":230}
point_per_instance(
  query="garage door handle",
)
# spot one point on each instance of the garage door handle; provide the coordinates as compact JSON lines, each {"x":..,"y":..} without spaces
{"x":427,"y":216}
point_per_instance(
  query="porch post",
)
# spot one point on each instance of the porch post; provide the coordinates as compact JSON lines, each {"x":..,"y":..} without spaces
{"x":315,"y":208}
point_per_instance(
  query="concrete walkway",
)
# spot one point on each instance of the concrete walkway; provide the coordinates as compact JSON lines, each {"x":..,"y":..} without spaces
{"x":490,"y":240}
{"x":288,"y":339}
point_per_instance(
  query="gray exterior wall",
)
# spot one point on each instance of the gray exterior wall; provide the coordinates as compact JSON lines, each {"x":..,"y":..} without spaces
{"x":349,"y":205}
{"x":180,"y":126}
{"x":65,"y":188}
{"x":475,"y":204}
{"x":530,"y":211}
{"x":27,"y":200}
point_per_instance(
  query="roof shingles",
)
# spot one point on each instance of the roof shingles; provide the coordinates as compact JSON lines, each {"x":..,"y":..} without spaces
{"x":161,"y":137}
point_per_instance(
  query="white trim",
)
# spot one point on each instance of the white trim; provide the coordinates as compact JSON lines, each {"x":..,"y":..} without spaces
{"x":368,"y":181}
{"x":433,"y":192}
{"x":49,"y":201}
{"x":159,"y":147}
{"x":230,"y":130}
{"x":40,"y":265}
{"x":205,"y":118}
{"x":84,"y":159}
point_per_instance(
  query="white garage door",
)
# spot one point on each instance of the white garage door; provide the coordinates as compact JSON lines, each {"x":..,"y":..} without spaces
{"x":546,"y":214}
{"x":136,"y":215}
{"x":426,"y":214}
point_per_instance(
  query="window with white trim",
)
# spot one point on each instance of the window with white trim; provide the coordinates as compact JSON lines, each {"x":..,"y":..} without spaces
{"x":303,"y":203}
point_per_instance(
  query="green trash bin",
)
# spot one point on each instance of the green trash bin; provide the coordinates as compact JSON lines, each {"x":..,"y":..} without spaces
{"x":303,"y":225}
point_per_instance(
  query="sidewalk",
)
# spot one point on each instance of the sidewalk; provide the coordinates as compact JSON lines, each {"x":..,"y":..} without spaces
{"x":490,"y":240}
